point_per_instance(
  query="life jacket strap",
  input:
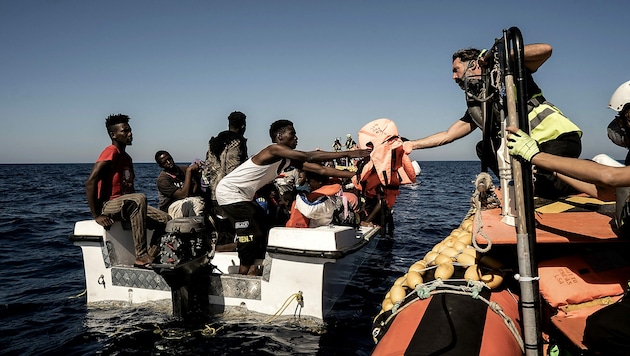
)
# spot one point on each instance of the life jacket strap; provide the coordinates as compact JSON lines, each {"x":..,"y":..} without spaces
{"x":536,"y":100}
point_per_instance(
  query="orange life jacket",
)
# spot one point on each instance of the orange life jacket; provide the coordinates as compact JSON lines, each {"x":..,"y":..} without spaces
{"x":297,"y":219}
{"x":388,"y":166}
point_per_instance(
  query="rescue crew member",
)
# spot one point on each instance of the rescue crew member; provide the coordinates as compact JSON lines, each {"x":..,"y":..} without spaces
{"x":619,"y":127}
{"x":607,"y":330}
{"x":554,"y":132}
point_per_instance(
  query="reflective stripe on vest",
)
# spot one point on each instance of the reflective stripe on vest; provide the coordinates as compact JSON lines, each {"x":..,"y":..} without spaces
{"x":546,"y":122}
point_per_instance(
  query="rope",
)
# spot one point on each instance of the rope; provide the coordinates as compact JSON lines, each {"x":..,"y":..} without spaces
{"x":78,"y":295}
{"x":210,"y":331}
{"x":483,"y":179}
{"x":300,"y":304}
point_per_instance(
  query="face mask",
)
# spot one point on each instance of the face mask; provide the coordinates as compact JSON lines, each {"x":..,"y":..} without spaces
{"x":471,"y":86}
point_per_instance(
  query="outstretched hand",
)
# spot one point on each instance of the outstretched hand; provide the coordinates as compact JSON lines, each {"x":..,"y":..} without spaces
{"x":362,"y":152}
{"x":521,"y":144}
{"x":408,"y":147}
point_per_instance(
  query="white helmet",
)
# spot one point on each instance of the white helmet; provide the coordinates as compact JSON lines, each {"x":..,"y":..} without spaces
{"x":620,"y":97}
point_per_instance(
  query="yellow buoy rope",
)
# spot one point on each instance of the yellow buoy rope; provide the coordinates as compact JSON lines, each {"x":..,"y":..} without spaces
{"x":300,"y":304}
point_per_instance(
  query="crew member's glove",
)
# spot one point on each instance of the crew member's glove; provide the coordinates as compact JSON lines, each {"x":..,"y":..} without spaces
{"x":520,"y":144}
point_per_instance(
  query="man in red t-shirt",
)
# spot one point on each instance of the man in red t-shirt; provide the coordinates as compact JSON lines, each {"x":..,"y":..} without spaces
{"x":110,"y":191}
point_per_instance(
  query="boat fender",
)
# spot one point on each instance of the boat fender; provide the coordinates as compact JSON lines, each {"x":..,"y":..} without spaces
{"x":456,"y":232}
{"x":450,"y":253}
{"x":449,"y":241}
{"x":470,"y":251}
{"x":466,"y":259}
{"x":397,"y":294}
{"x":467,"y":225}
{"x":444,"y":271}
{"x":399,"y":281}
{"x":413,"y":279}
{"x":420,"y":267}
{"x":472,"y":273}
{"x":493,"y":280}
{"x":441,"y":259}
{"x":430,"y":257}
{"x":465,"y":238}
{"x":439,"y":247}
{"x":387,"y":304}
{"x":459,"y":246}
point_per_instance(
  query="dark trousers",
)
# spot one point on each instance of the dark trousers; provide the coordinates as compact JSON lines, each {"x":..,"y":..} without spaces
{"x":607,"y":331}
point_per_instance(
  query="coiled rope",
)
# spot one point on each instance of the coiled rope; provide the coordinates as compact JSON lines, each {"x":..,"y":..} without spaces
{"x":300,"y":304}
{"x":211,"y":331}
{"x":483,"y":181}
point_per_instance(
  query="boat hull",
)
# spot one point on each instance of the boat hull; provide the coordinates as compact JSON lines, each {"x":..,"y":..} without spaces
{"x":451,"y":323}
{"x":582,"y":267}
{"x":304,"y":272}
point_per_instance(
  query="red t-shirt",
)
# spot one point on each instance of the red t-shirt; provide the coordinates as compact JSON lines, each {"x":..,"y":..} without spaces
{"x":119,"y":179}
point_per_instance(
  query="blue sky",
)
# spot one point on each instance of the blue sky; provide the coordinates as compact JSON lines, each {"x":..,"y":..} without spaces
{"x":178,"y":68}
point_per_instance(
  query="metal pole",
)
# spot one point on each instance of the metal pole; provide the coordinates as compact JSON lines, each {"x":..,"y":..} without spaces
{"x":524,"y":197}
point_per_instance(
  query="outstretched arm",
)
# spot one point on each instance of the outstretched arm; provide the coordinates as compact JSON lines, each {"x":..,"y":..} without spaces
{"x":458,"y":130}
{"x":327,"y":171}
{"x":275,"y":152}
{"x":584,"y":170}
{"x":605,"y":178}
{"x":599,"y":192}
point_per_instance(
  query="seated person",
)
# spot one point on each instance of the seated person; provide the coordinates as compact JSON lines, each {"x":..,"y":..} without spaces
{"x":317,"y":207}
{"x":285,"y":186}
{"x":326,"y":204}
{"x":301,"y":185}
{"x":111,"y":193}
{"x":179,"y":191}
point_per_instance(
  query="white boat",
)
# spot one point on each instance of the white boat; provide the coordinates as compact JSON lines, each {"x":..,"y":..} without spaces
{"x":303,"y":273}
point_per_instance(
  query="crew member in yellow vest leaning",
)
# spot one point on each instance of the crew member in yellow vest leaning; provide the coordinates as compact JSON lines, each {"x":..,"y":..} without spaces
{"x":553,"y":131}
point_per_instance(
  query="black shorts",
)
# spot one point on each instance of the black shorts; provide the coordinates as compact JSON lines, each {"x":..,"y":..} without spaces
{"x":252,"y":231}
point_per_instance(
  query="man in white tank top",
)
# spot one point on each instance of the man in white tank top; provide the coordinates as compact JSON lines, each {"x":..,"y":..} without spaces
{"x":237,"y":190}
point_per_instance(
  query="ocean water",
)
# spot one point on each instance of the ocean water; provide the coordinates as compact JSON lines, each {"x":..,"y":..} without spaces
{"x":43,"y":311}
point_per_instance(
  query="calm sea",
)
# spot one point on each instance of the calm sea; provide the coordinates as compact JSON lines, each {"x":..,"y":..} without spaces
{"x":43,"y":312}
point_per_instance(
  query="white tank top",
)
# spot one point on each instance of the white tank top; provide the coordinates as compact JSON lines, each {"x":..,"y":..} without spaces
{"x":243,"y":182}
